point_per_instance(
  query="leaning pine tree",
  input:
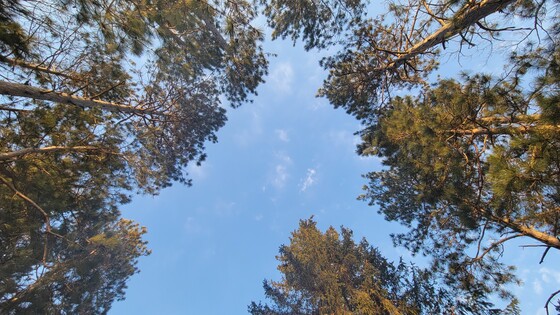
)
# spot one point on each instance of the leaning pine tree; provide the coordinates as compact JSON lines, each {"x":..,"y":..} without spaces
{"x":472,"y":162}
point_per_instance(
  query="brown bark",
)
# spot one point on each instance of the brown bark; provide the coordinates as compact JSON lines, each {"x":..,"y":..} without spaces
{"x":40,"y":68}
{"x":504,"y":130}
{"x":515,"y":119}
{"x":530,"y":231}
{"x":460,"y":22}
{"x":22,"y":90}
{"x":17,"y":154}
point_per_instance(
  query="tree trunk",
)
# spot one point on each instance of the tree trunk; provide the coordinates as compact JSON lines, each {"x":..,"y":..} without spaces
{"x":460,"y":22}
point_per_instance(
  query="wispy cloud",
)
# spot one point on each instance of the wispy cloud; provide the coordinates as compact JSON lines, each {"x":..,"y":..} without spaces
{"x":537,"y":287}
{"x":309,"y":179}
{"x":281,"y":77}
{"x":549,"y":276}
{"x":282,"y":135}
{"x":281,"y":174}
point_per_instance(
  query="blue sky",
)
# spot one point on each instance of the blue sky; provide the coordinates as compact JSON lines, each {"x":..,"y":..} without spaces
{"x":285,"y":157}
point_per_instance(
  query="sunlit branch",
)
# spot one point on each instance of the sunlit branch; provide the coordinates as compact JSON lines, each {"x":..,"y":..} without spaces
{"x":40,"y":68}
{"x":22,"y":90}
{"x":463,"y":19}
{"x":20,"y":153}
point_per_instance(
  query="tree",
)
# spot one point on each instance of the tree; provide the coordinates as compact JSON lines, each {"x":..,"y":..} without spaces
{"x":90,"y":272}
{"x":328,"y":273}
{"x":99,"y":99}
{"x":151,"y":72}
{"x":471,"y":162}
{"x":400,"y":48}
{"x":474,"y":179}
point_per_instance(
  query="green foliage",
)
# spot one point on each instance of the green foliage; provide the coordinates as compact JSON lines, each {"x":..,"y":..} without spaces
{"x":100,"y":99}
{"x":328,"y":273}
{"x":471,"y":162}
{"x":480,"y":168}
{"x":318,"y":23}
{"x":87,"y":275}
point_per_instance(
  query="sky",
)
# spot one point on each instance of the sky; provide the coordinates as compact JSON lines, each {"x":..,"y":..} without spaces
{"x":287,"y":156}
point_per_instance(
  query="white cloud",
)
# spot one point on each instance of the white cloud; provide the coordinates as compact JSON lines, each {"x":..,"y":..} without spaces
{"x":280,"y":173}
{"x":309,"y":179}
{"x":281,"y":176}
{"x":281,"y":77}
{"x":282,"y":135}
{"x":537,"y":287}
{"x":548,"y":275}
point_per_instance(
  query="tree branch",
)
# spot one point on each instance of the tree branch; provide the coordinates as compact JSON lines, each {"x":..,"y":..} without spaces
{"x":542,"y":237}
{"x":529,"y":231}
{"x":544,"y":255}
{"x":515,"y":119}
{"x":20,"y":153}
{"x":550,"y":299}
{"x":22,"y":90}
{"x":503,"y":130}
{"x":462,"y":20}
{"x":40,"y":68}
{"x":36,"y":206}
{"x":494,"y":245}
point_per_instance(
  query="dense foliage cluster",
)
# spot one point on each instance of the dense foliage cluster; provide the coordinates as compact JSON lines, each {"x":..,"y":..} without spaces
{"x":472,"y":162}
{"x":328,"y":273}
{"x":101,"y":98}
{"x":98,"y":99}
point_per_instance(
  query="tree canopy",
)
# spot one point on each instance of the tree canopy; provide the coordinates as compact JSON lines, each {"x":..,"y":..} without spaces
{"x":471,"y":162}
{"x":328,"y":273}
{"x":99,"y":99}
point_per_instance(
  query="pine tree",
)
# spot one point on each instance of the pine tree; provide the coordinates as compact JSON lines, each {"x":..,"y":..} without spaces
{"x":328,"y":273}
{"x":98,"y":100}
{"x":471,"y":162}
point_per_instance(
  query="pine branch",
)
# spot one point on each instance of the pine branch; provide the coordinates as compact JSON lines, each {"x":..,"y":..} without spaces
{"x":462,"y":20}
{"x":504,"y":130}
{"x":37,"y":207}
{"x":20,"y":153}
{"x":38,"y":67}
{"x":549,"y":300}
{"x":22,"y":90}
{"x":530,"y":231}
{"x":515,"y":119}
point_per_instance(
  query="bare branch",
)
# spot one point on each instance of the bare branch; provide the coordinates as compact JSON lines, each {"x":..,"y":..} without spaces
{"x":494,"y":245}
{"x":550,"y":299}
{"x":544,"y":255}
